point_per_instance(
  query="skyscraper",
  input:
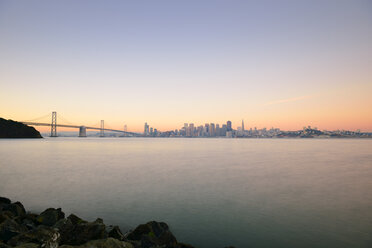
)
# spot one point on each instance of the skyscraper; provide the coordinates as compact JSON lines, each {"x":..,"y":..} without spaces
{"x":223,"y":130}
{"x":242,"y":125}
{"x":218,"y":131}
{"x":206,"y":129}
{"x":212,"y":130}
{"x":146,"y":129}
{"x":191,"y":127}
{"x":229,"y":126}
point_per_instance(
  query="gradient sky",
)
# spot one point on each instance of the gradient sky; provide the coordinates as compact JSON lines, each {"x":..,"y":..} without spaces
{"x":285,"y":64}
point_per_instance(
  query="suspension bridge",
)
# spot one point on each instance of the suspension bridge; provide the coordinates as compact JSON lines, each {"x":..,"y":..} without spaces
{"x":82,"y":129}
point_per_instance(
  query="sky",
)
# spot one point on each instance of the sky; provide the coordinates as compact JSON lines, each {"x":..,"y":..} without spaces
{"x":283,"y":64}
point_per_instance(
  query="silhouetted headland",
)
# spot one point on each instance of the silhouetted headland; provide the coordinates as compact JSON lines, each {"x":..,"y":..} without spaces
{"x":14,"y":129}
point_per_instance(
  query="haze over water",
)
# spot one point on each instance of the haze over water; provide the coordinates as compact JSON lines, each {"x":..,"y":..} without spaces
{"x":212,"y":192}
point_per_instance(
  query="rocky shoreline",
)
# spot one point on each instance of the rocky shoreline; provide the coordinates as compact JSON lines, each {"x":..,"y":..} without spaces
{"x":51,"y":229}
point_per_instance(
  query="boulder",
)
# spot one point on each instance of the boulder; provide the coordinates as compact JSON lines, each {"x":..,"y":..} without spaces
{"x":15,"y":208}
{"x":76,"y":220}
{"x":45,"y":236}
{"x":50,"y":216}
{"x":30,"y":221}
{"x":10,"y":228}
{"x":115,"y":232}
{"x":5,"y":215}
{"x":153,"y":234}
{"x":75,"y":231}
{"x":4,"y":200}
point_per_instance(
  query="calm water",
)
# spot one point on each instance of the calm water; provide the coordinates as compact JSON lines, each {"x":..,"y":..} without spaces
{"x":212,"y":192}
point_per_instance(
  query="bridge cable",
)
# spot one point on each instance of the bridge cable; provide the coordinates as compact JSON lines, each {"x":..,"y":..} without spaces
{"x":38,"y":118}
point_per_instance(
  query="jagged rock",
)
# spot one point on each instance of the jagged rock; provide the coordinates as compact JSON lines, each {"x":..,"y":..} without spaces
{"x":15,"y":208}
{"x":46,"y":236}
{"x":5,"y":215}
{"x":75,"y":231}
{"x":114,"y":232}
{"x":4,"y":200}
{"x":3,"y":203}
{"x":153,"y":234}
{"x":76,"y":220}
{"x":30,"y":221}
{"x":50,"y":216}
{"x":10,"y":228}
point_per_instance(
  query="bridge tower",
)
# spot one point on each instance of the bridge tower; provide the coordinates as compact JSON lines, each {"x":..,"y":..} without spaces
{"x":102,"y":133}
{"x":82,"y":131}
{"x":53,"y":129}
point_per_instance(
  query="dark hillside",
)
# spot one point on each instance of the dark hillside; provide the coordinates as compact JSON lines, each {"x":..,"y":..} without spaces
{"x":14,"y":129}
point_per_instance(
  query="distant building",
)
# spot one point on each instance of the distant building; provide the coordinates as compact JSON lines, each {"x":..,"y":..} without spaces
{"x":223,"y":130}
{"x":229,"y":134}
{"x":228,"y":124}
{"x":218,"y":130}
{"x":206,"y":129}
{"x":199,"y":131}
{"x":242,"y":125}
{"x":191,"y":128}
{"x":146,"y":129}
{"x":212,"y":130}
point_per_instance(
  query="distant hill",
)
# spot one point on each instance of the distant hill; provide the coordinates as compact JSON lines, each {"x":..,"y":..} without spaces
{"x":14,"y":129}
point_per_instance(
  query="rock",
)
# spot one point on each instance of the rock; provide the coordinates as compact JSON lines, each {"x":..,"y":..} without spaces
{"x":28,"y":245}
{"x":76,"y":220}
{"x":4,"y":200}
{"x":114,"y":232}
{"x":75,"y":231}
{"x":43,"y":235}
{"x":4,"y":204}
{"x":153,"y":234}
{"x":16,"y":208}
{"x":30,"y":221}
{"x":2,"y":245}
{"x":10,"y":228}
{"x":5,"y":215}
{"x":102,"y":243}
{"x":50,"y":216}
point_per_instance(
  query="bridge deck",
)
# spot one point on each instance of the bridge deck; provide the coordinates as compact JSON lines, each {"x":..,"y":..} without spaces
{"x":75,"y":126}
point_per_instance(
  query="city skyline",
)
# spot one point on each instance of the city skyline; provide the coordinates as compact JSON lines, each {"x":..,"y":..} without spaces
{"x":283,"y":64}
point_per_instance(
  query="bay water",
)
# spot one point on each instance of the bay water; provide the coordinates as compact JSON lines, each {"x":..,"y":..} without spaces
{"x":211,"y":192}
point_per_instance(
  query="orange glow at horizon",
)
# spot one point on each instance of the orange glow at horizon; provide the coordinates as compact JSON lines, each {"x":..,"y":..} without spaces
{"x":286,"y":67}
